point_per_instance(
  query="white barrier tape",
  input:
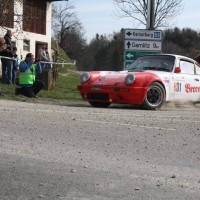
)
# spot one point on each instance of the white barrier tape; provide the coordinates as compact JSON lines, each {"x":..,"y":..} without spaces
{"x":69,"y":63}
{"x":9,"y":58}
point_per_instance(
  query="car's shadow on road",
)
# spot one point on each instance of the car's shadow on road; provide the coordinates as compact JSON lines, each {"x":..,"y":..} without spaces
{"x":166,"y":106}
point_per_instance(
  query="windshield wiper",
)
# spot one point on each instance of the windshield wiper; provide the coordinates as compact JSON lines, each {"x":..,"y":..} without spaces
{"x":150,"y":68}
{"x":135,"y":70}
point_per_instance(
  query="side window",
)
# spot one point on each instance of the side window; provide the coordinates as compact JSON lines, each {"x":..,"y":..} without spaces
{"x":186,"y":67}
{"x":197,"y":69}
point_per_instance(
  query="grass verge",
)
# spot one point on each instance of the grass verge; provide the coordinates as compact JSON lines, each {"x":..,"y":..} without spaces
{"x":63,"y":89}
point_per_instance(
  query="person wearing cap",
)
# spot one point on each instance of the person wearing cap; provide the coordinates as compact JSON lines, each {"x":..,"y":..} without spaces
{"x":28,"y":69}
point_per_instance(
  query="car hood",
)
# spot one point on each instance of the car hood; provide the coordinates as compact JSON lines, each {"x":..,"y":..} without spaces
{"x":110,"y":78}
{"x":117,"y":78}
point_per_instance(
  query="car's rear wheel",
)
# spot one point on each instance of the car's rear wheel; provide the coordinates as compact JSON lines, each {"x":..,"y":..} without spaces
{"x":155,"y":96}
{"x":99,"y":104}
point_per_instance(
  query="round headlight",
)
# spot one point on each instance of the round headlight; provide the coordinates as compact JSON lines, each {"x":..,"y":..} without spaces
{"x":130,"y":78}
{"x":85,"y":76}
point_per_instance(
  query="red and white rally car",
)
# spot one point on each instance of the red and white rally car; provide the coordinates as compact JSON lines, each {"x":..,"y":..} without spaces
{"x":149,"y":81}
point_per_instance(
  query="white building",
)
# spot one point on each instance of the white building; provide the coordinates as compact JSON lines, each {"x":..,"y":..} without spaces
{"x":34,"y":28}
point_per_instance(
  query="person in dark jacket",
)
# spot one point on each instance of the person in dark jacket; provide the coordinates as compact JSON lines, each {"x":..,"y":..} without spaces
{"x":27,"y":77}
{"x":7,"y":64}
{"x":8,"y":39}
{"x":2,"y":47}
{"x":15,"y":65}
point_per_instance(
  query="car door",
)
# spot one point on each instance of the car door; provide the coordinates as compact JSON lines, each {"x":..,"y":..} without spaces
{"x":197,"y":83}
{"x":183,"y":83}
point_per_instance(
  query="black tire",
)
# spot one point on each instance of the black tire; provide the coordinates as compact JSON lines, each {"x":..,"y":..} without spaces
{"x":155,"y":97}
{"x":99,"y":104}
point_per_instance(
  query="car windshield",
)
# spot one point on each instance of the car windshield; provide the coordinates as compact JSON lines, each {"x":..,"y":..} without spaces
{"x":153,"y":62}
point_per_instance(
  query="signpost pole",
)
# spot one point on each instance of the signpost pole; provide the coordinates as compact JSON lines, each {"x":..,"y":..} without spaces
{"x":150,"y":14}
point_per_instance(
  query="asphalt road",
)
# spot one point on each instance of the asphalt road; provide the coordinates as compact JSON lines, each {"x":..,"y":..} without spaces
{"x":75,"y":152}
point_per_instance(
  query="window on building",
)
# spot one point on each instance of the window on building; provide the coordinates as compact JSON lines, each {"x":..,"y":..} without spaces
{"x":7,"y":13}
{"x":26,"y":45}
{"x":34,"y":19}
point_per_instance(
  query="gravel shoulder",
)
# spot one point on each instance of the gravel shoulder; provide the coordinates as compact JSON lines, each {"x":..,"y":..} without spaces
{"x":69,"y":150}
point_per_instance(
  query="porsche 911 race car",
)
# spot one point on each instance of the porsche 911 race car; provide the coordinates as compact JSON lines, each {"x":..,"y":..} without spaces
{"x":149,"y":81}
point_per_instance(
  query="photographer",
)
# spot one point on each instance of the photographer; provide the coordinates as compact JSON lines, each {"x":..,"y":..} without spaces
{"x":27,"y":77}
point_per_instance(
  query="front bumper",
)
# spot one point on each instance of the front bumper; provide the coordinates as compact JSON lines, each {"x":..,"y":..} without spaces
{"x":122,"y":95}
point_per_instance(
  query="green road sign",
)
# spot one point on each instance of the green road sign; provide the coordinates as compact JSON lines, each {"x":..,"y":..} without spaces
{"x":139,"y":42}
{"x":132,"y":55}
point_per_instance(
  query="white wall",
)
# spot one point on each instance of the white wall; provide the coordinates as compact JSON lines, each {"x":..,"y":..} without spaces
{"x":19,"y":35}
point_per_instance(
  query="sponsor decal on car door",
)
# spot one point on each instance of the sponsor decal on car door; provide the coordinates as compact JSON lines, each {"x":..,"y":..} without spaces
{"x":177,"y":86}
{"x":185,"y":85}
{"x":193,"y":88}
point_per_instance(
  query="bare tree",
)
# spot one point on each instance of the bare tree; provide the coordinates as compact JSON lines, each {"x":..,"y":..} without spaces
{"x":68,"y":31}
{"x":64,"y":20}
{"x":165,"y":11}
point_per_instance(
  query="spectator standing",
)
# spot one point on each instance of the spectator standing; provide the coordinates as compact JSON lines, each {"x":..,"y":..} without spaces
{"x":49,"y":66}
{"x":27,"y":77}
{"x":7,"y":64}
{"x":8,"y":39}
{"x":44,"y":56}
{"x":15,"y":65}
{"x":2,"y":44}
{"x":2,"y":47}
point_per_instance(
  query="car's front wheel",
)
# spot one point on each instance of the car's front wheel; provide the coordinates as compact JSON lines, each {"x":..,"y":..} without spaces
{"x":99,"y":104}
{"x":155,"y":96}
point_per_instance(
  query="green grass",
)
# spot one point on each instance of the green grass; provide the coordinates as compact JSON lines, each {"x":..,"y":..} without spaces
{"x":64,"y":89}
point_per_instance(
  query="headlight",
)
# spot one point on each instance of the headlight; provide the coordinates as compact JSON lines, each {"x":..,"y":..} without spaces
{"x":130,"y":78}
{"x":84,"y":77}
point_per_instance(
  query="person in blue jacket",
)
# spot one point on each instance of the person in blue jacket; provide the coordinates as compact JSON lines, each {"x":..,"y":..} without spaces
{"x":28,"y":69}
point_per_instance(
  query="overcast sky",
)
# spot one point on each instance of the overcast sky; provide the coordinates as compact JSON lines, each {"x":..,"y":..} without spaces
{"x":98,"y":16}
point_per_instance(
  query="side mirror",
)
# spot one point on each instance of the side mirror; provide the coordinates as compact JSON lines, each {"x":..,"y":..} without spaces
{"x":177,"y":70}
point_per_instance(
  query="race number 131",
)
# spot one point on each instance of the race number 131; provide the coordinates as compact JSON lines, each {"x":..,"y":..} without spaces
{"x":177,"y":87}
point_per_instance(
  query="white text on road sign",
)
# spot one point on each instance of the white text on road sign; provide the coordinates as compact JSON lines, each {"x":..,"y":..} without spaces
{"x":143,"y":45}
